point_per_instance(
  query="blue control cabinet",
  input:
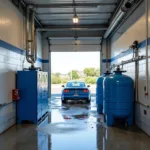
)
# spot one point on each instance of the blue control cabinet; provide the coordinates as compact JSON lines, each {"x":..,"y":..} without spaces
{"x":33,"y":103}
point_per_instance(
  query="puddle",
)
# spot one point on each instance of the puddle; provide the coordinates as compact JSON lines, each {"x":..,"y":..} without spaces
{"x":75,"y":112}
{"x":65,"y":108}
{"x":67,"y":117}
{"x":81,"y":117}
{"x":76,"y":102}
{"x":61,"y":128}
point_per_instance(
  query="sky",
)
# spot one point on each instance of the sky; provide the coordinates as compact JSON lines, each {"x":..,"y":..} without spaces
{"x":64,"y":62}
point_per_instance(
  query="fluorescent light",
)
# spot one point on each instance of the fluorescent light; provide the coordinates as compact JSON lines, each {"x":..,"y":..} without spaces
{"x":75,"y":19}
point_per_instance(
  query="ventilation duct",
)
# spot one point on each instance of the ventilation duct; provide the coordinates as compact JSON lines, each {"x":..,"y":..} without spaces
{"x":31,"y":48}
{"x":120,"y":14}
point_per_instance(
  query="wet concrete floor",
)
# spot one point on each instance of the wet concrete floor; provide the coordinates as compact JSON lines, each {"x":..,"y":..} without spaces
{"x":73,"y":127}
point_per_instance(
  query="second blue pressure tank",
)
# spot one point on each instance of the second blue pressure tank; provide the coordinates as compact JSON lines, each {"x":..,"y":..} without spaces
{"x":99,"y":92}
{"x":118,"y":98}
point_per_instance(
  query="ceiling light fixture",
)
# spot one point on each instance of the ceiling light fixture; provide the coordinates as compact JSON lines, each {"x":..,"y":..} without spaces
{"x":75,"y":18}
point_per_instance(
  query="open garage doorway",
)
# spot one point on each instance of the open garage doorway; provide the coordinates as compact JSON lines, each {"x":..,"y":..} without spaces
{"x":78,"y":66}
{"x":74,"y":58}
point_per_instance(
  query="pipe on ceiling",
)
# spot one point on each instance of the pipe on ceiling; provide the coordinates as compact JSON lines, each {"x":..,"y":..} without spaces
{"x":120,"y":14}
{"x":147,"y":48}
{"x":138,"y":2}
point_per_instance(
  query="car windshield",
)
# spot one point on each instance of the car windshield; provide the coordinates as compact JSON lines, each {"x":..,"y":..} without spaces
{"x":75,"y":84}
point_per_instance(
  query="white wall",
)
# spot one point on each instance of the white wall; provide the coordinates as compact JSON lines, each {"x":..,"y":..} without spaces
{"x":12,"y":44}
{"x":11,"y":25}
{"x":134,"y":29}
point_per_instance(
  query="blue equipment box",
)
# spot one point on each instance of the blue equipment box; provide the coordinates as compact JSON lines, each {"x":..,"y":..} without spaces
{"x":33,"y":103}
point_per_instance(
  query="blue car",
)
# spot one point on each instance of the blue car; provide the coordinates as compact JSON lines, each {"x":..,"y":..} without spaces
{"x":75,"y":90}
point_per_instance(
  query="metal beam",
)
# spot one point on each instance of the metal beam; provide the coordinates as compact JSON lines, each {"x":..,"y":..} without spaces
{"x":38,"y":21}
{"x":86,"y":19}
{"x":73,"y":34}
{"x":66,"y":5}
{"x":63,"y":36}
{"x":70,"y":29}
{"x":72,"y":13}
{"x":75,"y":44}
{"x":73,"y":38}
{"x":74,"y":28}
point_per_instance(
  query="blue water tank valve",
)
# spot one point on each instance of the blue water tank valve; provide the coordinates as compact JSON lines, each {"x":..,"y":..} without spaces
{"x":119,"y":70}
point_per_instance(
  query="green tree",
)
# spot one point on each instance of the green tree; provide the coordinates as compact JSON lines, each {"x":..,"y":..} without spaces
{"x":55,"y":79}
{"x":87,"y":80}
{"x":93,"y":80}
{"x":89,"y":72}
{"x":97,"y":72}
{"x":90,"y":80}
{"x":64,"y":80}
{"x":57,"y":74}
{"x":74,"y":74}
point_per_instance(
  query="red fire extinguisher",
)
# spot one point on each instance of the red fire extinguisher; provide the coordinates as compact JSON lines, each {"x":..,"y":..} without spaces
{"x":15,"y":94}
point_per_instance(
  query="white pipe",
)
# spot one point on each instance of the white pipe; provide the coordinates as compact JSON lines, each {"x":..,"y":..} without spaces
{"x":135,"y":56}
{"x":50,"y":67}
{"x":145,"y":105}
{"x":128,"y":61}
{"x":120,"y":14}
{"x":147,"y":57}
{"x":117,"y":18}
{"x":101,"y":56}
{"x":107,"y":52}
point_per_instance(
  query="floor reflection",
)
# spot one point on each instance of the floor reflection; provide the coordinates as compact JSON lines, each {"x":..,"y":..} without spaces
{"x":79,"y":127}
{"x":73,"y":127}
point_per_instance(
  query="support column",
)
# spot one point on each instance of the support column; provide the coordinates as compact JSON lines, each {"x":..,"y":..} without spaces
{"x":49,"y":68}
{"x":101,"y":57}
{"x":108,"y":53}
{"x":46,"y":60}
{"x":104,"y":58}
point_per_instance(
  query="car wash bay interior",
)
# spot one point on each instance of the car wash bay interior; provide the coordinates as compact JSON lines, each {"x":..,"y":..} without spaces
{"x":119,"y":29}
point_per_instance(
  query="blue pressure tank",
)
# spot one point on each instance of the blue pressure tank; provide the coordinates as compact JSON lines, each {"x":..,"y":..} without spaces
{"x":118,"y":98}
{"x":99,"y":92}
